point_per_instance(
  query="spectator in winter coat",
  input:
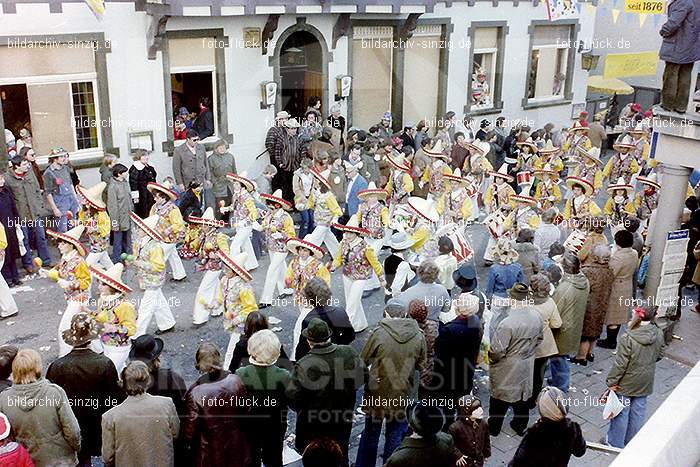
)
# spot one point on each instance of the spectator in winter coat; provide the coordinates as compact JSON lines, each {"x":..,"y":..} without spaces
{"x":471,"y":433}
{"x":119,"y":207}
{"x":12,"y":453}
{"x":204,"y":123}
{"x":9,"y":219}
{"x":528,"y":253}
{"x":140,"y":175}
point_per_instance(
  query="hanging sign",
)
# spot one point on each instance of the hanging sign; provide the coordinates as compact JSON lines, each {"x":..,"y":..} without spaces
{"x":649,"y":7}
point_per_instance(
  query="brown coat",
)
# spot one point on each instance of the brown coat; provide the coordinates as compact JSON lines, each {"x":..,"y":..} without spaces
{"x":623,"y":264}
{"x":600,"y":277}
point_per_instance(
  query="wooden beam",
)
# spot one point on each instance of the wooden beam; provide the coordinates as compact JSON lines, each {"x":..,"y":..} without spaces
{"x":408,"y":26}
{"x":269,"y":31}
{"x":341,"y":28}
{"x":156,"y":34}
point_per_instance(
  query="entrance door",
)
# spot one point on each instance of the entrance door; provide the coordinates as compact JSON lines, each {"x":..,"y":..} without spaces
{"x":301,"y":72}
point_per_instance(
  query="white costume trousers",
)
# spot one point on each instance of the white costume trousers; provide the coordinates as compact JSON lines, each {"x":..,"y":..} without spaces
{"x":241,"y":241}
{"x":274,"y":280}
{"x":322,"y":234}
{"x":119,"y":356}
{"x":353,"y":302}
{"x":232,"y":341}
{"x":153,"y":303}
{"x":206,"y":292}
{"x":376,"y":244}
{"x":488,"y":256}
{"x":8,"y":307}
{"x":173,"y":259}
{"x":72,"y":308}
{"x":303,"y":311}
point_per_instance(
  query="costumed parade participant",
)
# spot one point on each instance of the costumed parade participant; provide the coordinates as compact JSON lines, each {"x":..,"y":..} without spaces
{"x":236,"y":298}
{"x":477,"y":166}
{"x":97,"y":224}
{"x":243,"y":216}
{"x":400,"y":184}
{"x":577,"y":136}
{"x":622,"y":163}
{"x":526,"y":165}
{"x":499,"y":191}
{"x":397,"y":270}
{"x":548,"y":191}
{"x":642,"y":148}
{"x":210,"y":243}
{"x":8,"y":307}
{"x":326,"y":213}
{"x":580,"y":205}
{"x":434,"y":174}
{"x":456,"y":205}
{"x":418,"y":219}
{"x":524,"y":215}
{"x":149,"y":261}
{"x":115,"y":314}
{"x":589,"y":166}
{"x":374,"y":217}
{"x":358,"y":260}
{"x":278,"y":227}
{"x":305,"y":266}
{"x":619,"y":205}
{"x":73,"y":276}
{"x":550,"y":154}
{"x":647,"y":200}
{"x":171,"y":226}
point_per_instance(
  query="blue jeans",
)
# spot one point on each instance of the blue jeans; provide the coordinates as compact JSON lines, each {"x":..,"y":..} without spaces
{"x":307,"y":223}
{"x":559,"y":368}
{"x":369,"y":442}
{"x":122,"y":244}
{"x":65,"y":203}
{"x":628,"y":422}
{"x":35,"y":235}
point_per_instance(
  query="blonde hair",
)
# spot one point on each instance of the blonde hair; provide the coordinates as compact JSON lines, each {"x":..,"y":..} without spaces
{"x":264,"y":348}
{"x":26,"y":367}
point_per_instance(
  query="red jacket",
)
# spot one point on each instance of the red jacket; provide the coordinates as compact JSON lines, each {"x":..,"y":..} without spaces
{"x":14,"y":455}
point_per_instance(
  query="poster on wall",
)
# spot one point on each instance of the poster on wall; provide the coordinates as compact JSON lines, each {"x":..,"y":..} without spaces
{"x":648,"y":7}
{"x":560,"y":9}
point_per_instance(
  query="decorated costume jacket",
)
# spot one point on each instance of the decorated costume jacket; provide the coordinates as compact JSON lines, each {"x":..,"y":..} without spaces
{"x":170,"y":225}
{"x":73,"y":268}
{"x":375,"y":219}
{"x":97,"y":229}
{"x":278,"y":227}
{"x":117,"y":319}
{"x":237,"y":298}
{"x":325,"y":206}
{"x":300,"y":272}
{"x":149,"y":260}
{"x":358,"y":260}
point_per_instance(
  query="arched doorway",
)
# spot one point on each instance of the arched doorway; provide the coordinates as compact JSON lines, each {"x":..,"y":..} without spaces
{"x":302,"y":70}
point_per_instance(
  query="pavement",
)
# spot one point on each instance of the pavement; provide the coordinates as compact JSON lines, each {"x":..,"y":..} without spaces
{"x":41,"y":304}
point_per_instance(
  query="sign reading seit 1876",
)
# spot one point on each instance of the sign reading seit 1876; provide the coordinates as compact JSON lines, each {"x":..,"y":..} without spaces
{"x":650,"y":7}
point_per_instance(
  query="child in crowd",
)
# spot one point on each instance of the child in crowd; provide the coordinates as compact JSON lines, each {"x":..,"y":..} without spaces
{"x":470,"y":433}
{"x":446,"y":262}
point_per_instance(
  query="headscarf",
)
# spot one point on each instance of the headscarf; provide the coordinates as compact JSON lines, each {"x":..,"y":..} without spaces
{"x":552,"y":404}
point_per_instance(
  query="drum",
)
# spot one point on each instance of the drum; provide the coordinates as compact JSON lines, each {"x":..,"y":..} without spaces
{"x":524,"y":178}
{"x":495,"y":223}
{"x":574,"y":242}
{"x":463,"y":250}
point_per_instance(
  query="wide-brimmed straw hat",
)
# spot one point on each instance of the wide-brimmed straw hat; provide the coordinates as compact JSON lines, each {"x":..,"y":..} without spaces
{"x":504,"y":251}
{"x":276,"y":197}
{"x":588,"y":187}
{"x":650,"y":181}
{"x":578,"y":127}
{"x":93,"y":195}
{"x":591,"y":153}
{"x":624,"y":142}
{"x":72,"y":236}
{"x":148,"y":225}
{"x":423,"y":208}
{"x":620,"y":185}
{"x":482,"y":147}
{"x":293,"y":245}
{"x":524,"y":198}
{"x":235,"y":263}
{"x":398,"y":161}
{"x":282,"y":114}
{"x":400,"y":241}
{"x":352,"y":226}
{"x":528,"y":142}
{"x":83,"y":329}
{"x":546,"y":170}
{"x":112,"y":277}
{"x":207,"y":219}
{"x":639,"y":129}
{"x":243,"y":179}
{"x":322,"y":177}
{"x":456,"y":176}
{"x":502,"y":173}
{"x":549,"y":148}
{"x":164,"y":188}
{"x":437,"y":150}
{"x":372,"y":190}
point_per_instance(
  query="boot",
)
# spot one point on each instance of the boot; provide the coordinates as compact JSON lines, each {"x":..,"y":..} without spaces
{"x":610,"y":341}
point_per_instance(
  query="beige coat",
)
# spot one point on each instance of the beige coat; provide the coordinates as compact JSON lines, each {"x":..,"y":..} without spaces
{"x":623,"y":264}
{"x":140,"y":432}
{"x":550,"y":320}
{"x":696,"y":273}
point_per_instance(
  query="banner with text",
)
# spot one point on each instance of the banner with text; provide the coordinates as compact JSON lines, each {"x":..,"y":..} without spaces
{"x":632,"y":64}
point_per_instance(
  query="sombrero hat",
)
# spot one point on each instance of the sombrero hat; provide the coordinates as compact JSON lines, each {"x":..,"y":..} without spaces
{"x":148,"y":225}
{"x":456,"y":176}
{"x":592,"y":154}
{"x":372,"y":190}
{"x":588,"y":187}
{"x":398,"y":161}
{"x":207,"y":219}
{"x":112,"y":277}
{"x":502,"y":173}
{"x":322,"y":177}
{"x":164,"y":188}
{"x":650,"y":180}
{"x":624,"y":143}
{"x":352,"y":226}
{"x":400,"y":240}
{"x":578,"y":127}
{"x":482,"y":147}
{"x":504,"y":251}
{"x":620,"y":185}
{"x":524,"y":198}
{"x":639,"y":129}
{"x":549,"y":148}
{"x":93,"y":195}
{"x":546,"y":170}
{"x":242,"y":179}
{"x":437,"y":150}
{"x":276,"y":197}
{"x":72,"y":237}
{"x":293,"y":245}
{"x":528,"y":142}
{"x":423,"y":208}
{"x":234,"y":263}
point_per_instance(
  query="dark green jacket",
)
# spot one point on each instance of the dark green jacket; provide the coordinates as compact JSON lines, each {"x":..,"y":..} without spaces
{"x":637,"y":353}
{"x":266,"y":385}
{"x":422,"y":452}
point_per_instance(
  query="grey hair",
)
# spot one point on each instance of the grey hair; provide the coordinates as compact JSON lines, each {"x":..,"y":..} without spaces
{"x":136,"y":378}
{"x":428,"y":272}
{"x":549,"y":215}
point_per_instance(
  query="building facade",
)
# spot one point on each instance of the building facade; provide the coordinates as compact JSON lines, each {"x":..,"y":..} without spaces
{"x":114,"y":83}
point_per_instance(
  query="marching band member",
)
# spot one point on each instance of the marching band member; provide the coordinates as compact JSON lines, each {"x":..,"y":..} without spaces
{"x":236,"y":298}
{"x":278,"y":227}
{"x":210,"y":243}
{"x":527,"y":157}
{"x":171,"y":226}
{"x":326,"y":213}
{"x":305,"y":266}
{"x":97,"y":224}
{"x":580,"y":205}
{"x":551,"y":155}
{"x":647,"y":200}
{"x":397,"y":270}
{"x":358,"y":259}
{"x":500,"y":225}
{"x":642,"y":148}
{"x":422,"y":217}
{"x":619,"y":204}
{"x":374,"y":217}
{"x":578,"y":136}
{"x":243,"y":215}
{"x":400,"y":184}
{"x":434,"y":174}
{"x":499,"y":192}
{"x":456,"y":205}
{"x":478,"y":167}
{"x":115,"y":314}
{"x":548,"y":191}
{"x":72,"y":275}
{"x":149,"y":260}
{"x":622,"y":164}
{"x":589,"y":167}
{"x":524,"y":215}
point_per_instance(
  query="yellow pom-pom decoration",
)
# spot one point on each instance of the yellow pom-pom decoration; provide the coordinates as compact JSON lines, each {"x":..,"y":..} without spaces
{"x":38,"y":262}
{"x":53,"y":275}
{"x":202,"y":301}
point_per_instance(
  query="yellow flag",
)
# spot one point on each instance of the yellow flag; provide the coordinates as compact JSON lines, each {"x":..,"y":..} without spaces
{"x":615,"y":13}
{"x":590,"y":9}
{"x":642,"y":19}
{"x":97,"y":7}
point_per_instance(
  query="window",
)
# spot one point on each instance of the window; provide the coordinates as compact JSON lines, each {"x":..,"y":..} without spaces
{"x":484,"y":83}
{"x":549,"y":62}
{"x":84,"y":115}
{"x":372,"y":68}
